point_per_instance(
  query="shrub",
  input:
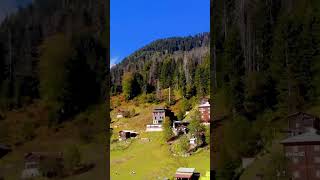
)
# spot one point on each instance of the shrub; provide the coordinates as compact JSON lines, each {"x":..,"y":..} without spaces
{"x":51,"y":167}
{"x":185,"y":105}
{"x":180,"y":115}
{"x":132,"y":112}
{"x":28,"y":131}
{"x":167,"y":130}
{"x":182,"y":145}
{"x":72,"y":157}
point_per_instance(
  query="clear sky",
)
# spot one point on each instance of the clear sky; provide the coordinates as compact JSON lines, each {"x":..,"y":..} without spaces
{"x":8,"y":6}
{"x":135,"y":23}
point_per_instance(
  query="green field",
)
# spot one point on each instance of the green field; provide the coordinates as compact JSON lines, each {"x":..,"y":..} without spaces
{"x":152,"y":160}
{"x":47,"y":140}
{"x":149,"y":159}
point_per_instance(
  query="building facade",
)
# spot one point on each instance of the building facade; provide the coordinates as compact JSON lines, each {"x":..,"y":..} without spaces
{"x":204,"y":109}
{"x":126,"y":134}
{"x":158,"y":115}
{"x":300,"y":122}
{"x":303,"y":156}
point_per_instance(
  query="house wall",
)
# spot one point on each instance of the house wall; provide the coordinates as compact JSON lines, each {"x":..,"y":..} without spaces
{"x":205,"y":114}
{"x":300,"y":122}
{"x":303,"y":161}
{"x":158,"y":116}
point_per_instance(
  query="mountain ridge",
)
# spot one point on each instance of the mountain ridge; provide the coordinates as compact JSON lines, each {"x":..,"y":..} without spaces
{"x":187,"y":52}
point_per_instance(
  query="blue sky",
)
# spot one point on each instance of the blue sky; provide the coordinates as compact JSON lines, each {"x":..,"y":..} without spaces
{"x":8,"y":6}
{"x":135,"y":23}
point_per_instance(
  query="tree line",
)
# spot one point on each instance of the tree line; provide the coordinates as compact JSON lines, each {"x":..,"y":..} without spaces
{"x":267,"y":65}
{"x":179,"y":63}
{"x":54,"y":51}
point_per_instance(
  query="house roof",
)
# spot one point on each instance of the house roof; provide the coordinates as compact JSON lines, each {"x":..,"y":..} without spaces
{"x":130,"y":131}
{"x":181,"y":122}
{"x":159,"y":109}
{"x":303,"y":138}
{"x":207,"y":104}
{"x":4,"y":147}
{"x":185,"y":170}
{"x":299,"y":113}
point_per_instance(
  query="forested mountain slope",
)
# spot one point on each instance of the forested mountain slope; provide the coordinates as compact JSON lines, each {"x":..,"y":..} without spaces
{"x":50,"y":38}
{"x":268,"y":66}
{"x":167,"y":62}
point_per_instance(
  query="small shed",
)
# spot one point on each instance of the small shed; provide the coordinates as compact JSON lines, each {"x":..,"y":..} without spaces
{"x":183,"y":173}
{"x":180,"y":127}
{"x":4,"y":150}
{"x":122,"y":114}
{"x":126,"y":134}
{"x":246,"y":161}
{"x":32,"y":162}
{"x":193,"y":141}
{"x":300,"y":122}
{"x":119,"y":115}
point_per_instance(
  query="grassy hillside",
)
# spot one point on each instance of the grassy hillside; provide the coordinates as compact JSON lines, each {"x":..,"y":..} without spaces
{"x":148,"y":159}
{"x":55,"y":140}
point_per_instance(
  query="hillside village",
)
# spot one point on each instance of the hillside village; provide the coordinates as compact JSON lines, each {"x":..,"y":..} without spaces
{"x":160,"y":110}
{"x":182,"y":137}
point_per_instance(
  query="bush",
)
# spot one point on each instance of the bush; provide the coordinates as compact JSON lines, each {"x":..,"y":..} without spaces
{"x":180,"y":115}
{"x":28,"y":131}
{"x":72,"y":157}
{"x":208,"y":135}
{"x":167,"y":130}
{"x":182,"y":145}
{"x":86,"y":127}
{"x":132,"y":112}
{"x":4,"y":132}
{"x":195,"y":125}
{"x":51,"y":167}
{"x":185,"y":105}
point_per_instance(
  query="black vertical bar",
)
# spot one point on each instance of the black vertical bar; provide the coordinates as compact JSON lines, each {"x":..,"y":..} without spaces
{"x":108,"y":118}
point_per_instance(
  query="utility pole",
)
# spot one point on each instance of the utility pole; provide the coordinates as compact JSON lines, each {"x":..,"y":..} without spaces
{"x":169,"y":95}
{"x":10,"y":55}
{"x":158,"y":89}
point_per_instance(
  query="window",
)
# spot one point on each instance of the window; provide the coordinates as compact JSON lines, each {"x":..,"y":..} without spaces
{"x":317,"y":159}
{"x":297,"y":125}
{"x":318,"y":173}
{"x":295,"y":148}
{"x":295,"y":160}
{"x":296,"y":174}
{"x":317,"y":148}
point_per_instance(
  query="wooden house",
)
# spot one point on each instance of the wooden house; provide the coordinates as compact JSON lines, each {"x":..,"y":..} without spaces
{"x":33,"y":160}
{"x":4,"y":150}
{"x":204,"y":109}
{"x":193,"y":142}
{"x":159,"y":114}
{"x":186,"y":174}
{"x":303,"y":154}
{"x":122,"y":114}
{"x":301,"y":122}
{"x":180,"y":127}
{"x":127,"y":134}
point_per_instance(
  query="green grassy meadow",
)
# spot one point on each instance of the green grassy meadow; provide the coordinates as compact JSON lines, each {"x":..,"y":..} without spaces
{"x":152,"y":159}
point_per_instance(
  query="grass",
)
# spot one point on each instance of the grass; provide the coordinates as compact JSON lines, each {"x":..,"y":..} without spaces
{"x":152,"y":160}
{"x":259,"y":165}
{"x":149,"y":160}
{"x":47,"y":140}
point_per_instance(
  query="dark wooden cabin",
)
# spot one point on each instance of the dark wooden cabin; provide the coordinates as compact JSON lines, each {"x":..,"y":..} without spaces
{"x":300,"y":122}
